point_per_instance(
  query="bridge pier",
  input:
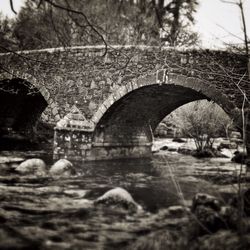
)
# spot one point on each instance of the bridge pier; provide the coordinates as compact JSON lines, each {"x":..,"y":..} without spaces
{"x":76,"y":144}
{"x":75,"y":139}
{"x":73,"y":144}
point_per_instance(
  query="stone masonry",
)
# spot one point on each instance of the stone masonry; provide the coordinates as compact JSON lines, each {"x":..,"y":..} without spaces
{"x":117,"y":97}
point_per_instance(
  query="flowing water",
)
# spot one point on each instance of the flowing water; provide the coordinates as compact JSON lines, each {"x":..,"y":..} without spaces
{"x":58,"y":213}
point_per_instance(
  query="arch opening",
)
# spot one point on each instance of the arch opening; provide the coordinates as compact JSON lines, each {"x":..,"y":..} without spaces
{"x":201,"y":117}
{"x":21,"y":104}
{"x":126,"y":128}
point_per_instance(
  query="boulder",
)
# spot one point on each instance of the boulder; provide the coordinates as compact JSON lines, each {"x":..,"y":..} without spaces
{"x":208,"y":220}
{"x":239,"y":157}
{"x":227,"y":144}
{"x":236,"y":137}
{"x":62,"y":167}
{"x":164,"y":148}
{"x":118,"y":197}
{"x":207,"y":201}
{"x":185,"y":151}
{"x":206,"y":209}
{"x":172,"y":149}
{"x":179,"y":140}
{"x":32,"y":166}
{"x":178,"y":211}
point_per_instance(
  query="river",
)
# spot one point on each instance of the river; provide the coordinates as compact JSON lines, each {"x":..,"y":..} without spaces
{"x":56,"y":213}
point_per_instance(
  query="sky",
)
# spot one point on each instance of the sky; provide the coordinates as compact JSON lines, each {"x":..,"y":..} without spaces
{"x":214,"y":21}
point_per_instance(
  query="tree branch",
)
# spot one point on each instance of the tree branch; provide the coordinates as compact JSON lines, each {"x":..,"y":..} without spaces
{"x":70,"y":10}
{"x":12,"y":6}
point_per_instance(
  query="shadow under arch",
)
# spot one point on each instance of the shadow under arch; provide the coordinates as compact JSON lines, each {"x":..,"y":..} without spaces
{"x":125,"y":122}
{"x":21,"y":104}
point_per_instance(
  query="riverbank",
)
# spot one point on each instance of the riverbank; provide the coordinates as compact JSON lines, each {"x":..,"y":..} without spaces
{"x":187,"y":146}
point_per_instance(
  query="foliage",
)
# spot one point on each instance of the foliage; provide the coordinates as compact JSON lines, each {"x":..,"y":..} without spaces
{"x":203,"y":121}
{"x":48,"y":23}
{"x":41,"y":27}
{"x":7,"y":42}
{"x":175,"y":20}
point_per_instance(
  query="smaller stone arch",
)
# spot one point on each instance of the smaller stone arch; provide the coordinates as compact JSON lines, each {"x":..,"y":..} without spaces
{"x":162,"y":77}
{"x":39,"y":85}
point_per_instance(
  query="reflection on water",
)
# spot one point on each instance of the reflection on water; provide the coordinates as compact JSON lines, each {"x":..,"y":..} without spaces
{"x":48,"y":213}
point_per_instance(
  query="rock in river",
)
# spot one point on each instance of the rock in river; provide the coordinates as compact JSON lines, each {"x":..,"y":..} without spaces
{"x":206,"y":209}
{"x":207,"y":201}
{"x":239,"y":157}
{"x":119,"y":197}
{"x":62,"y":167}
{"x":32,"y":166}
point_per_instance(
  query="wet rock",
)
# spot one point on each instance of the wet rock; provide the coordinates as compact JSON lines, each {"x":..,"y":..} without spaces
{"x":62,"y":167}
{"x":185,"y":151}
{"x":239,"y":157}
{"x":206,"y":209}
{"x":227,"y":144}
{"x":207,"y":201}
{"x":179,"y":140}
{"x":236,"y":137}
{"x":235,"y":134}
{"x":172,"y":149}
{"x":208,"y":220}
{"x":119,"y":197}
{"x":178,"y":211}
{"x":164,"y":148}
{"x":226,"y":153}
{"x":32,"y":166}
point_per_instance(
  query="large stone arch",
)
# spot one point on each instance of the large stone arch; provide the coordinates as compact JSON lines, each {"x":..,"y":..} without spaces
{"x":201,"y":86}
{"x":125,"y":134}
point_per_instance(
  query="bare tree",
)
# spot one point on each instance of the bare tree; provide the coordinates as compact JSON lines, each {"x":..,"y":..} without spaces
{"x":239,"y":3}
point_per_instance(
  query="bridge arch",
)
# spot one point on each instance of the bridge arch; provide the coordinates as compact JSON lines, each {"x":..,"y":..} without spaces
{"x":127,"y":118}
{"x":22,"y":100}
{"x":39,"y":85}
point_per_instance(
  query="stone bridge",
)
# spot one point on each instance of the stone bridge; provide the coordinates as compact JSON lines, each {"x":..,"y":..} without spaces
{"x":107,"y":103}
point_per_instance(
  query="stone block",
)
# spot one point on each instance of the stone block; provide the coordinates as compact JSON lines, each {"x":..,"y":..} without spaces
{"x":134,"y":85}
{"x":172,"y":78}
{"x":183,"y":80}
{"x":129,"y":87}
{"x":122,"y":91}
{"x":95,"y":119}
